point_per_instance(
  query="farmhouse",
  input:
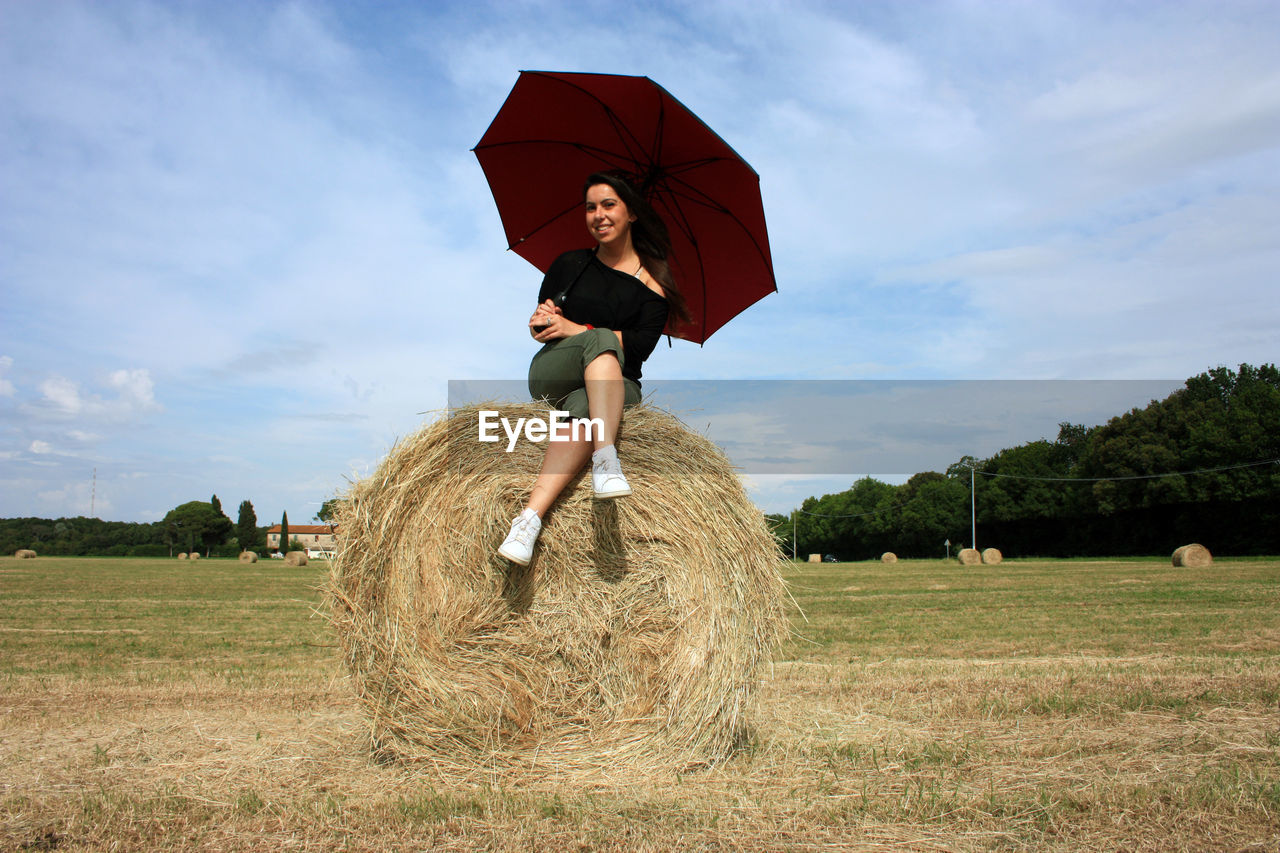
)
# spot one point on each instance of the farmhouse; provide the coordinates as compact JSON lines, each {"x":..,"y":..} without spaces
{"x":316,"y":537}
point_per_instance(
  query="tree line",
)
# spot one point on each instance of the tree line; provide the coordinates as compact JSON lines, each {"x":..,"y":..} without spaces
{"x":193,"y":526}
{"x":1200,"y":465}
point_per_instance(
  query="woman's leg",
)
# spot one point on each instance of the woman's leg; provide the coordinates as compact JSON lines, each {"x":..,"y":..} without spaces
{"x":562,"y":462}
{"x":605,"y":396}
{"x":564,"y":459}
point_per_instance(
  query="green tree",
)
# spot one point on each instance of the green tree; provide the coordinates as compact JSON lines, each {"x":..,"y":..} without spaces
{"x":780,"y":526}
{"x":247,"y":527}
{"x":197,"y":523}
{"x":328,"y":510}
{"x":937,"y":510}
{"x":284,"y":531}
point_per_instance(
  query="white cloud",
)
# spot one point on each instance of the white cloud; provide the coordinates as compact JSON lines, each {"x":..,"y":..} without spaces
{"x":277,"y":212}
{"x":134,"y":396}
{"x":6,"y":387}
{"x":62,"y":395}
{"x":137,"y":391}
{"x":41,"y":447}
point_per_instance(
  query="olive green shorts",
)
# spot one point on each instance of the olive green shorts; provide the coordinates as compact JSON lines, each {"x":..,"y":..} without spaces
{"x":556,"y":372}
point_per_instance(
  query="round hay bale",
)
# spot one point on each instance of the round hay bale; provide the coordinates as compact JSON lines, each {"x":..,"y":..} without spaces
{"x":969,"y":557}
{"x":631,"y":643}
{"x":888,"y":557}
{"x":991,"y":556}
{"x":248,"y":557}
{"x":25,"y":554}
{"x":195,"y":555}
{"x":295,"y":558}
{"x":182,"y":556}
{"x":1193,"y":556}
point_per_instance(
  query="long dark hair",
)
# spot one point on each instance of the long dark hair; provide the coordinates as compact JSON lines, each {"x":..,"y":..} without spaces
{"x":650,"y":239}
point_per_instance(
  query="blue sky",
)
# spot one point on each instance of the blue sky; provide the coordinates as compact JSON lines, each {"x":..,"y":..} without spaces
{"x":244,"y":245}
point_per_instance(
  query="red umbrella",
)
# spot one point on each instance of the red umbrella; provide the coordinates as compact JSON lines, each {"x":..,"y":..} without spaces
{"x":556,"y":128}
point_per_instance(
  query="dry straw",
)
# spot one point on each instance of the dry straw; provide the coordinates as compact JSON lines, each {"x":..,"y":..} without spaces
{"x":969,"y":557}
{"x":195,"y":555}
{"x":992,"y":556}
{"x":24,"y":554}
{"x":295,"y":558}
{"x":815,"y":558}
{"x":182,"y":556}
{"x":632,"y":643}
{"x":1193,"y":556}
{"x":888,"y":557}
{"x":248,"y":557}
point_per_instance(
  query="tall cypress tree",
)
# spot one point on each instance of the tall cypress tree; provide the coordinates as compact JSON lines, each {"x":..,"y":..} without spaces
{"x":284,"y":532}
{"x":247,"y":527}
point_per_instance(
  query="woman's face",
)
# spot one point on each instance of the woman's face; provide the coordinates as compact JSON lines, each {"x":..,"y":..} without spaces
{"x":608,"y":218}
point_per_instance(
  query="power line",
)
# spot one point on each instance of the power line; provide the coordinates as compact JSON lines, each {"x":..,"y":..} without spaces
{"x":858,"y":515}
{"x":1131,"y":477}
{"x":1064,"y":480}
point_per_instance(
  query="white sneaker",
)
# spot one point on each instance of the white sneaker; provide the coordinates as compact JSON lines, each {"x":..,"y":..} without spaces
{"x":607,"y":479}
{"x":518,"y":546}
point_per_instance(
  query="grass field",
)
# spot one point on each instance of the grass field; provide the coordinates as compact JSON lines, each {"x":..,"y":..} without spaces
{"x":1038,"y":705}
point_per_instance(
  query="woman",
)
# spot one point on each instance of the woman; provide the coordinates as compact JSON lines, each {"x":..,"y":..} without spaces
{"x":596,"y":336}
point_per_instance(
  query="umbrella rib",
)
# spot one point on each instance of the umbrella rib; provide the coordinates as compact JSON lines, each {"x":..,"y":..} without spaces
{"x":535,"y":230}
{"x":696,"y":197}
{"x":682,"y":222}
{"x":625,"y":162}
{"x":628,"y":138}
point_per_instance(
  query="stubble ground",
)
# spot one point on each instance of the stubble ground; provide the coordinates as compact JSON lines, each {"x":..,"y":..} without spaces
{"x":1034,"y":705}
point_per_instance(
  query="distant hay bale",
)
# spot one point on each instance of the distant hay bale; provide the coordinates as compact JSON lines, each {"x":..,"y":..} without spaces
{"x":295,"y":558}
{"x":195,"y":555}
{"x":992,"y":556}
{"x":632,"y":643}
{"x":24,"y":554}
{"x":969,"y":557}
{"x":888,"y":557}
{"x":248,"y":557}
{"x":182,"y":556}
{"x":1193,"y":556}
{"x":815,"y":558}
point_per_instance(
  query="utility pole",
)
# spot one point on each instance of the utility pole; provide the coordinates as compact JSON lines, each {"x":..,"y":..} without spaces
{"x":973,"y":503}
{"x":93,"y":495}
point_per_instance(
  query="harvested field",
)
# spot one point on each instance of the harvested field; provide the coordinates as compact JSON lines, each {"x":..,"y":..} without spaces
{"x":918,"y":706}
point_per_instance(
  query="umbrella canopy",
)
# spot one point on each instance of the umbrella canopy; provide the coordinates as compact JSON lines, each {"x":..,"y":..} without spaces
{"x":557,"y":128}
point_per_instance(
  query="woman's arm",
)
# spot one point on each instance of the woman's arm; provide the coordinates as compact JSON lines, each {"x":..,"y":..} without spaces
{"x":639,"y":340}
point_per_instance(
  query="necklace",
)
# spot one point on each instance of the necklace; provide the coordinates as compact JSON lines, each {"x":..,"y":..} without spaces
{"x":596,"y":251}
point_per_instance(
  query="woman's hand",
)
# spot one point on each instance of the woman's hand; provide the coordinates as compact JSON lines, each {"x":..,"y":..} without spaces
{"x":548,"y":323}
